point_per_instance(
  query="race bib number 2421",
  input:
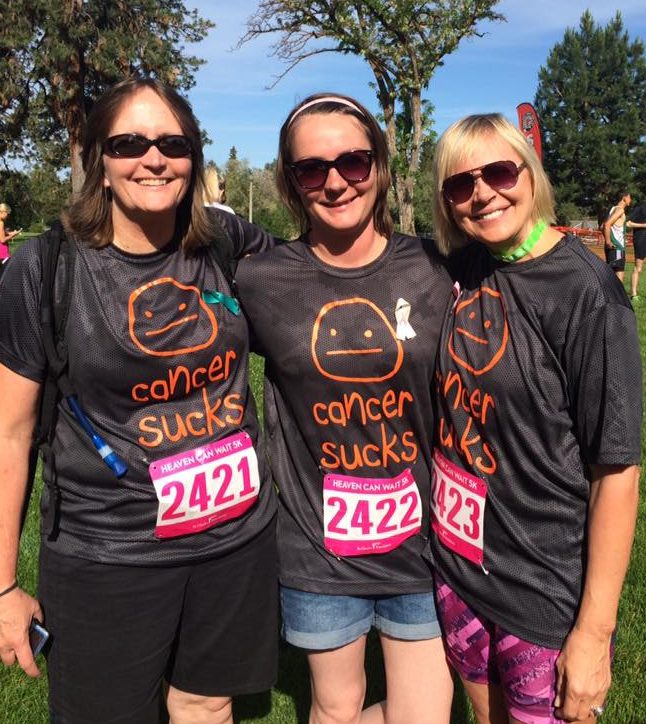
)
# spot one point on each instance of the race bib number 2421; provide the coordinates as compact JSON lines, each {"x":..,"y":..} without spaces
{"x":205,"y":486}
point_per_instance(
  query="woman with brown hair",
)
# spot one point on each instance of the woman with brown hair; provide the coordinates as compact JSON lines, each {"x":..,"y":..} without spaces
{"x":347,"y":317}
{"x":165,"y":571}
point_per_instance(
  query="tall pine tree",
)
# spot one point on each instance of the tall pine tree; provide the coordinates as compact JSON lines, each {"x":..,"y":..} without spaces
{"x":591,"y":100}
{"x":56,"y":57}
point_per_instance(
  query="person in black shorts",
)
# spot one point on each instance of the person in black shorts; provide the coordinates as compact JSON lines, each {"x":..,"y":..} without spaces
{"x":637,"y":222}
{"x":347,"y":317}
{"x":614,"y":234}
{"x":535,"y":482}
{"x":166,"y":573}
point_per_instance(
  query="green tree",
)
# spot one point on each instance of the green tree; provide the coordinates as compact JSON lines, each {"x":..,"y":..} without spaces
{"x":591,"y":101}
{"x":14,"y":190}
{"x":49,"y":191}
{"x":36,"y":196}
{"x":237,"y":177}
{"x":403,"y":41}
{"x":424,"y":187}
{"x":268,"y":208}
{"x":56,"y":57}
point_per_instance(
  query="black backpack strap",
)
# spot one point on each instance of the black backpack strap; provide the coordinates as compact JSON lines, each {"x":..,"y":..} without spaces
{"x":57,"y":273}
{"x":54,"y":307}
{"x":221,"y":250}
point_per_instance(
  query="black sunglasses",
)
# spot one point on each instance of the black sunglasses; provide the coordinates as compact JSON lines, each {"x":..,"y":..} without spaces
{"x":132,"y":145}
{"x":498,"y":175}
{"x":353,"y":166}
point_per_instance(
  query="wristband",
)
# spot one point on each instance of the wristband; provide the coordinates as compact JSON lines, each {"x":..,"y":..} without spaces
{"x":9,"y":590}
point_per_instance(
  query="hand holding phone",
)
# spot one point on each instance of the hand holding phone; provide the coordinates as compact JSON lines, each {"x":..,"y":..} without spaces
{"x":38,"y":636}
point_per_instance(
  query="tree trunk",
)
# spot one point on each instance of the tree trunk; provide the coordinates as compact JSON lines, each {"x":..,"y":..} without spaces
{"x":406,"y":183}
{"x":402,"y":180}
{"x":76,"y":165}
{"x":74,"y":111}
{"x":402,"y":184}
{"x":404,"y":192}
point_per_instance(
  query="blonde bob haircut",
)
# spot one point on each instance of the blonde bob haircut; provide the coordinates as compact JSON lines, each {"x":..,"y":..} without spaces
{"x":458,"y":142}
{"x":328,"y":103}
{"x":212,"y":186}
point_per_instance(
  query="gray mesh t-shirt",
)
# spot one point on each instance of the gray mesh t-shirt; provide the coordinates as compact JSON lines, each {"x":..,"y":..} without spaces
{"x":539,"y":376}
{"x":157,"y":370}
{"x":345,"y":395}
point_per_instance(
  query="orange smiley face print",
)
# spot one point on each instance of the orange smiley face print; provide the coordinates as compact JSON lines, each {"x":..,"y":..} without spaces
{"x":353,"y":341}
{"x":480,"y":332}
{"x":166,"y":318}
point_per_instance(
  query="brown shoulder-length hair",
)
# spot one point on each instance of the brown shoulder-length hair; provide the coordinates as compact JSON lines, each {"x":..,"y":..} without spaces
{"x":457,"y":142}
{"x":89,"y":216}
{"x":322,"y":103}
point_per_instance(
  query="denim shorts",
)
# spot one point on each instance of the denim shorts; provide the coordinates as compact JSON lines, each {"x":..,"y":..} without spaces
{"x":317,"y":621}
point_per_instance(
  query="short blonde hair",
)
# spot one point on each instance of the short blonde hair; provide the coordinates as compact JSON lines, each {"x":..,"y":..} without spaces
{"x":212,"y":186}
{"x":459,"y":141}
{"x":5,"y":207}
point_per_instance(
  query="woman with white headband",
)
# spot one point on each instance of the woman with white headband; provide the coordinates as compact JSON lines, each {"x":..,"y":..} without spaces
{"x":347,"y":317}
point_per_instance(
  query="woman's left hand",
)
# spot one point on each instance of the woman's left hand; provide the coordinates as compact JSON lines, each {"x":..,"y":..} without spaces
{"x":582,"y":674}
{"x":583,"y":666}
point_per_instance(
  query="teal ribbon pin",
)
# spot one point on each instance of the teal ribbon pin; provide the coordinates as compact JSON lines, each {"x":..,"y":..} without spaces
{"x":231,"y":303}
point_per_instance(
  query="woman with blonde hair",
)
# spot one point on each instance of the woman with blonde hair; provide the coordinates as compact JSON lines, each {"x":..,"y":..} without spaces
{"x":535,"y":479}
{"x":214,"y":190}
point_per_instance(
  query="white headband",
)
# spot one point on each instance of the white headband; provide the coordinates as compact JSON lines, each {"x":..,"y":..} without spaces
{"x":326,"y":99}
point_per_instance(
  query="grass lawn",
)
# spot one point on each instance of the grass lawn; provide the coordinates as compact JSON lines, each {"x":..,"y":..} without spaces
{"x":23,"y":701}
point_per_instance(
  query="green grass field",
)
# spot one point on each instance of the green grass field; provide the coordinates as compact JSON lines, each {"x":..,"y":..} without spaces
{"x":23,"y":701}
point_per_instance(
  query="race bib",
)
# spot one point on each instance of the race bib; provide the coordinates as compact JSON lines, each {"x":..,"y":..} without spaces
{"x":457,"y":508}
{"x":201,"y":488}
{"x":362,"y":516}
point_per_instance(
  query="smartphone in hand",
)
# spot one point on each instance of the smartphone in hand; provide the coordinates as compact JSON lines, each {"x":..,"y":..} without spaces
{"x":38,"y":636}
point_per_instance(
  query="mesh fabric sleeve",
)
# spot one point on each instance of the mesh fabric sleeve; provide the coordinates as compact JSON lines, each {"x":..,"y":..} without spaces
{"x":605,"y":382}
{"x":21,"y":348}
{"x":247,"y":238}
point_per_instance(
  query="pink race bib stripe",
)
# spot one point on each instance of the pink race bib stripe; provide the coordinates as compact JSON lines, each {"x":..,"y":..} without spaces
{"x":367,"y":486}
{"x":197,"y":525}
{"x":199,"y":456}
{"x":365,"y":547}
{"x":458,"y":475}
{"x":461,"y":547}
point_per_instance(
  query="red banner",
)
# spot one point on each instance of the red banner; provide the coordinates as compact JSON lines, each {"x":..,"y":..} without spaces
{"x":528,"y":124}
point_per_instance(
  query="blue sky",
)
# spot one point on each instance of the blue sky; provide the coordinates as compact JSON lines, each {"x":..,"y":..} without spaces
{"x":492,"y":73}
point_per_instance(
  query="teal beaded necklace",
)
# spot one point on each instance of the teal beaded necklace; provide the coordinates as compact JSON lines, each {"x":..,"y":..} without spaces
{"x":527,"y":245}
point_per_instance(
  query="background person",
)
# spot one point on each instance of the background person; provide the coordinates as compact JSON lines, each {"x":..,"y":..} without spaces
{"x":637,"y":222}
{"x":5,"y":236}
{"x":535,"y":479}
{"x":614,"y":234}
{"x":348,"y":327}
{"x":214,"y":194}
{"x":169,"y":572}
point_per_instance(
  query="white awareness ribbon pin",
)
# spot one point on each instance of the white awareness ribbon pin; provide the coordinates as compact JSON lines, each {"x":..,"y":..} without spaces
{"x":402,"y":312}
